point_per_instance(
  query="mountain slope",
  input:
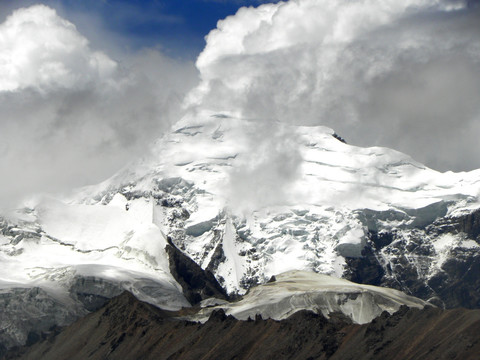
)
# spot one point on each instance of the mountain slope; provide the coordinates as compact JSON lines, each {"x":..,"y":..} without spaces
{"x":128,"y":329}
{"x":298,"y":200}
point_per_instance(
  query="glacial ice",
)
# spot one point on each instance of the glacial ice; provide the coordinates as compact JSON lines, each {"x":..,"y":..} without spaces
{"x":117,"y":230}
{"x":300,"y":290}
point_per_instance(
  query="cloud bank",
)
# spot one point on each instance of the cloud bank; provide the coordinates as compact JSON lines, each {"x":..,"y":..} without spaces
{"x":71,"y":115}
{"x":402,"y":74}
{"x":263,"y":176}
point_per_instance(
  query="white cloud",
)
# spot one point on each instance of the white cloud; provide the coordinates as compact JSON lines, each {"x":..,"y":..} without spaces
{"x":262,"y":177}
{"x":401,"y":74}
{"x":71,"y":115}
{"x":40,"y":50}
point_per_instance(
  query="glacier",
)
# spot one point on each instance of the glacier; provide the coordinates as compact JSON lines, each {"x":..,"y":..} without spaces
{"x":371,"y":215}
{"x":296,"y":290}
{"x":340,"y":199}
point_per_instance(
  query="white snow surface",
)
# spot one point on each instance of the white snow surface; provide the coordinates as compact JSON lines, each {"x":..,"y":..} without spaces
{"x":307,"y":220}
{"x":105,"y":242}
{"x":301,"y":290}
{"x":227,"y":207}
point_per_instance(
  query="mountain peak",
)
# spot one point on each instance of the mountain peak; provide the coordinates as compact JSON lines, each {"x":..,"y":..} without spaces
{"x":243,"y":200}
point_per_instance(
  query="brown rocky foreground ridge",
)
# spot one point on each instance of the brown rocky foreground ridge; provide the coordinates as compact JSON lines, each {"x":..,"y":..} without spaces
{"x":126,"y":328}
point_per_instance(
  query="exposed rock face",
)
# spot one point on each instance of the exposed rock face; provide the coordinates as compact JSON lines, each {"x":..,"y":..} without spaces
{"x":365,"y":269}
{"x":197,"y":284}
{"x":29,"y":314}
{"x":458,"y":283}
{"x":93,"y":292}
{"x":468,"y":224}
{"x":128,"y":329}
{"x":438,"y":261}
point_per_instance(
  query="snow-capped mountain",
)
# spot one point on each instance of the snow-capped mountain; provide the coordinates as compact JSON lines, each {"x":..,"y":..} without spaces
{"x":302,"y":199}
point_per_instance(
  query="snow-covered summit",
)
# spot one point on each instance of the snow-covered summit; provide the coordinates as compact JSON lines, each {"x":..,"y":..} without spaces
{"x":246,"y":200}
{"x":210,"y":150}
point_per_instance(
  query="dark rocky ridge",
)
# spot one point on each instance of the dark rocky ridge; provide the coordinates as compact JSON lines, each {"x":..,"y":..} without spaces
{"x":197,"y":284}
{"x":29,"y":315}
{"x":129,"y":329}
{"x":456,"y":284}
